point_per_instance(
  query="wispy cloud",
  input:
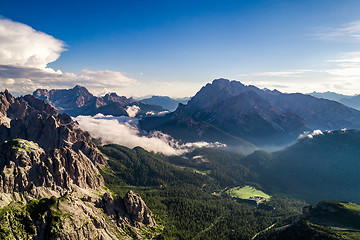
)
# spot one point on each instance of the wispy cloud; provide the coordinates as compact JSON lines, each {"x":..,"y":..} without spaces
{"x":110,"y":78}
{"x":349,"y":57}
{"x":346,"y":65}
{"x":350,"y":31}
{"x":290,"y":73}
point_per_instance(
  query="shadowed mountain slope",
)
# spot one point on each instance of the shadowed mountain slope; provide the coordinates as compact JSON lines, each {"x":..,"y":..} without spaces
{"x":260,"y":116}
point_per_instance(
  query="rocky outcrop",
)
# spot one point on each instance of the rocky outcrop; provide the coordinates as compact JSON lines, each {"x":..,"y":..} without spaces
{"x":65,"y":99}
{"x":50,"y":185}
{"x":129,"y":210}
{"x":25,"y":168}
{"x":137,"y":209}
{"x":32,"y":119}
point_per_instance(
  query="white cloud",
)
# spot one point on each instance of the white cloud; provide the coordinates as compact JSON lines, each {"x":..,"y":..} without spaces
{"x":25,"y":54}
{"x":289,"y":73}
{"x":163,"y":113}
{"x":349,"y":57}
{"x":24,"y":80}
{"x":340,"y":74}
{"x":311,"y":135}
{"x":116,"y":130}
{"x":132,"y":110}
{"x":109,"y":78}
{"x":21,"y":45}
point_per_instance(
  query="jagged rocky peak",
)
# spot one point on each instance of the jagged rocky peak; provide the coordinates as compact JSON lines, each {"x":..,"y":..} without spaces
{"x":65,"y":99}
{"x":113,"y":97}
{"x":42,"y":94}
{"x":130,"y":210}
{"x":218,"y":91}
{"x":32,"y":119}
{"x":25,"y":167}
{"x":137,"y":209}
{"x":50,"y":185}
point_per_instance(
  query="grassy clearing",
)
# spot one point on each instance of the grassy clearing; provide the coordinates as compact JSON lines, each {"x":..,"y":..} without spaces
{"x":247,"y":192}
{"x":351,"y":206}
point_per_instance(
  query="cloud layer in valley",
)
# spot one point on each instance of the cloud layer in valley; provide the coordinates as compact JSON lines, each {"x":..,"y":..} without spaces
{"x":124,"y":131}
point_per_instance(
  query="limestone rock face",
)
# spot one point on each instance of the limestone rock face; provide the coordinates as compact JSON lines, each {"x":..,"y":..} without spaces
{"x":130,"y":210}
{"x":32,"y":119}
{"x":137,"y":209}
{"x":25,"y":166}
{"x":50,"y":185}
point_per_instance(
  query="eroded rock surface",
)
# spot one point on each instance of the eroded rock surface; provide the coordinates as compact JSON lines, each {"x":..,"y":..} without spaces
{"x":50,"y":185}
{"x":32,"y":119}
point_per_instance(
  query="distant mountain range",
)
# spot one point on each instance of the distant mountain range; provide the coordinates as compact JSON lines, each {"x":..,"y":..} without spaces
{"x":223,"y":111}
{"x":350,"y":101}
{"x":165,"y":102}
{"x":260,"y":116}
{"x":79,"y":101}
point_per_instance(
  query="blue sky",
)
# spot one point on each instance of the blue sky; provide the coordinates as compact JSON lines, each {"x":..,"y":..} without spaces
{"x":137,"y":48}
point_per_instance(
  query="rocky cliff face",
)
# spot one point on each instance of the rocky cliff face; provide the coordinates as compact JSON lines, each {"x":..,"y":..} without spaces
{"x":50,"y":185}
{"x":25,"y":167}
{"x":137,"y":209}
{"x":32,"y":119}
{"x":65,"y":99}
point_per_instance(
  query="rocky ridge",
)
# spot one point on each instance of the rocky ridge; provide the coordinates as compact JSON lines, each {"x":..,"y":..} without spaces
{"x":261,"y":116}
{"x":79,"y":101}
{"x":50,"y":185}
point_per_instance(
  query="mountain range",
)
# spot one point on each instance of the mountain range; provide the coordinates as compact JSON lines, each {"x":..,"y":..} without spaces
{"x":79,"y":101}
{"x":262,"y":117}
{"x":54,"y":181}
{"x":350,"y":101}
{"x":165,"y":102}
{"x":224,"y":111}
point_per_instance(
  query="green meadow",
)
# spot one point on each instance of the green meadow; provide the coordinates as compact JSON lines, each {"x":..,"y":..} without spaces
{"x":247,"y":192}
